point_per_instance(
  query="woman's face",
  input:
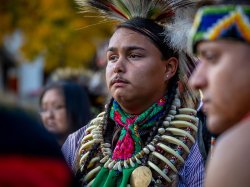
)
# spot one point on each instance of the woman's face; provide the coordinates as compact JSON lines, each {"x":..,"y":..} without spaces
{"x":53,"y":112}
{"x":223,"y":75}
{"x":136,"y":74}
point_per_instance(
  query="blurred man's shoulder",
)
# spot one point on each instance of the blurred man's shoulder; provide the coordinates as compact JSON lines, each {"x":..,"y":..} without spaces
{"x":230,"y":163}
{"x":237,"y":135}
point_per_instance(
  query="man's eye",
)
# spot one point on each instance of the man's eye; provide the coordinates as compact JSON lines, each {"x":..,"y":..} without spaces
{"x":112,"y":58}
{"x":135,"y":56}
{"x":210,"y":57}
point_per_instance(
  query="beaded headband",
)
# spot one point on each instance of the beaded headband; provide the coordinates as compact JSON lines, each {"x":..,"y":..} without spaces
{"x":218,"y":22}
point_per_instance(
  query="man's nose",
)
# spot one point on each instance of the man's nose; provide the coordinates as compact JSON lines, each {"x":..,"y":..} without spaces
{"x":198,"y":79}
{"x":119,"y":65}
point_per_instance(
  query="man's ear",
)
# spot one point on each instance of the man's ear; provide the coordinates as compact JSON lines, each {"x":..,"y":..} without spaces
{"x":171,"y":67}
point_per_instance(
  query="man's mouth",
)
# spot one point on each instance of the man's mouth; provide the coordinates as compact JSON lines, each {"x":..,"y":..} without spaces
{"x":118,"y":80}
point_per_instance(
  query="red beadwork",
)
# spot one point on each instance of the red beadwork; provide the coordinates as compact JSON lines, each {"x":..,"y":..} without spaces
{"x":180,"y":147}
{"x":83,"y":151}
{"x":160,"y":177}
{"x":212,"y":141}
{"x":167,"y":167}
{"x":159,"y":149}
{"x":174,"y":158}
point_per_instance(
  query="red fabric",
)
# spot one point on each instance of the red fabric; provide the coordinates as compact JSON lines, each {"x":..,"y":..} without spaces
{"x":21,"y":171}
{"x":126,"y":146}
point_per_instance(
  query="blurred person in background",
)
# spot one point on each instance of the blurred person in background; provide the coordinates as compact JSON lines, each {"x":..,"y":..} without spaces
{"x":97,"y":84}
{"x":220,"y":38}
{"x":92,"y":80}
{"x":29,"y":155}
{"x":64,"y":108}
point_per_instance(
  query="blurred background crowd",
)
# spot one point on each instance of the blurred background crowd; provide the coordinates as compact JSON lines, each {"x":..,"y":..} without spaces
{"x":52,"y":63}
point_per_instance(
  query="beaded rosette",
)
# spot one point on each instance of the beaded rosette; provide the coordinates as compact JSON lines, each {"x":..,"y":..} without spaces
{"x":165,"y":154}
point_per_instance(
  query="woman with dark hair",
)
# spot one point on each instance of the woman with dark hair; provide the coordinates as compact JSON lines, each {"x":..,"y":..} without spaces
{"x":146,"y":136}
{"x":64,"y":108}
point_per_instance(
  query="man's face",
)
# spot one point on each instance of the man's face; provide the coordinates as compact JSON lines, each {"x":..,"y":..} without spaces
{"x":135,"y":72}
{"x":223,"y":75}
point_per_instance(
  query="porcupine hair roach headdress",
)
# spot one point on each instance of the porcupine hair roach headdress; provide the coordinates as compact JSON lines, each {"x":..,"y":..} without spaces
{"x":165,"y":22}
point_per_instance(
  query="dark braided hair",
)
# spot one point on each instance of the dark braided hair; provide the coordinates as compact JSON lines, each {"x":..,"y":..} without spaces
{"x":152,"y":131}
{"x":108,"y":124}
{"x":170,"y":97}
{"x":107,"y":134}
{"x":79,"y":173}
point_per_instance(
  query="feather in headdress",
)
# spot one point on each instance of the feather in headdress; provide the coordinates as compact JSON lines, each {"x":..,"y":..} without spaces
{"x":176,"y":35}
{"x":122,"y":10}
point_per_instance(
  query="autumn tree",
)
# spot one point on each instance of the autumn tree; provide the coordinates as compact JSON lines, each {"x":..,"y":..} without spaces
{"x":54,"y":29}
